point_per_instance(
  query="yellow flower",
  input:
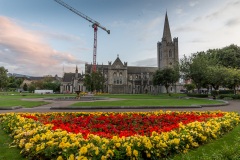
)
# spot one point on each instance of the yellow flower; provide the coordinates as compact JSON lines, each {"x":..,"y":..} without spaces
{"x":59,"y":158}
{"x":28,"y":146}
{"x":83,"y":150}
{"x":117,"y":145}
{"x":135,"y":153}
{"x":71,"y":157}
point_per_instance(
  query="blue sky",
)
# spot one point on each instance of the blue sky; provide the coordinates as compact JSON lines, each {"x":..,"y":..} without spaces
{"x":42,"y":37}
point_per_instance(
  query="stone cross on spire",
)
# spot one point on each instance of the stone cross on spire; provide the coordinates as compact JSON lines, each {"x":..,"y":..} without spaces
{"x":166,"y":30}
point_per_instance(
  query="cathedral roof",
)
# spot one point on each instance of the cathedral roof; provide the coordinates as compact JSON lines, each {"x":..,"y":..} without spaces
{"x":69,"y":76}
{"x":166,"y":31}
{"x":137,"y":69}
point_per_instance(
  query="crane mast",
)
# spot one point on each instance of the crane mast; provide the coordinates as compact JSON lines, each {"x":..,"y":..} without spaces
{"x":95,"y":26}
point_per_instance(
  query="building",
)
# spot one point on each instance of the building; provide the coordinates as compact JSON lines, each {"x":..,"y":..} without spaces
{"x":123,"y":79}
{"x":167,"y":49}
{"x":72,"y":82}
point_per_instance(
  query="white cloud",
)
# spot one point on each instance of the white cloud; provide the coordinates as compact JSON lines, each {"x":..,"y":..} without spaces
{"x":193,"y":3}
{"x":27,"y":52}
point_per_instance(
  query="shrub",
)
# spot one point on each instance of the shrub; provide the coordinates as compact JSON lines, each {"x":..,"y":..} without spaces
{"x":197,"y":95}
{"x":226,"y":92}
{"x":229,"y":96}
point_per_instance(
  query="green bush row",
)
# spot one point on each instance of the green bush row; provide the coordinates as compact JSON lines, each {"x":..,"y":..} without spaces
{"x":197,"y":95}
{"x":229,"y":96}
{"x":214,"y":93}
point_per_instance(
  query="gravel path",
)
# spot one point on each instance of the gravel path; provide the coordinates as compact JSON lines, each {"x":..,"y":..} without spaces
{"x":234,"y":105}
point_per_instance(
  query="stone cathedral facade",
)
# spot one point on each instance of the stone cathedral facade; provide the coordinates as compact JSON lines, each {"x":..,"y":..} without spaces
{"x":123,"y":79}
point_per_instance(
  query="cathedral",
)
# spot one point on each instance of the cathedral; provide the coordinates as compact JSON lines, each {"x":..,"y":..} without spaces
{"x":123,"y":79}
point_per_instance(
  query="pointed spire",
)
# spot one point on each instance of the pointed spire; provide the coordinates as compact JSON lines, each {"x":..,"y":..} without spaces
{"x":76,"y":71}
{"x":166,"y":30}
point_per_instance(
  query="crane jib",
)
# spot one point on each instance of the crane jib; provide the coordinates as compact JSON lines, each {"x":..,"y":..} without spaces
{"x":95,"y":26}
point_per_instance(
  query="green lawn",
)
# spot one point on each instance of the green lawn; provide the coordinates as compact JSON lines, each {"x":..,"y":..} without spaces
{"x":17,"y":102}
{"x":14,"y":99}
{"x":6,"y":152}
{"x":149,"y":102}
{"x":144,"y":96}
{"x":225,"y":148}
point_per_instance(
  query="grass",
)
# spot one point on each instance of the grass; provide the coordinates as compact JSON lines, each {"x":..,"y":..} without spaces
{"x":16,"y":102}
{"x":15,"y":99}
{"x":144,"y":96}
{"x":227,"y":147}
{"x":6,"y":152}
{"x":148,"y":102}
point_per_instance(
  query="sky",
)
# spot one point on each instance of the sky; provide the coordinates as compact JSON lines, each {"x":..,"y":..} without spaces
{"x":41,"y":37}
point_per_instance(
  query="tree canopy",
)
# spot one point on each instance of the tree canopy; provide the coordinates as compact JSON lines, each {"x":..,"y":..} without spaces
{"x":215,"y":67}
{"x":167,"y":76}
{"x":3,"y":78}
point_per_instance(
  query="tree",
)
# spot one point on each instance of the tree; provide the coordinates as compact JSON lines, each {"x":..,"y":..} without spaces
{"x":216,"y":76}
{"x":232,"y":79}
{"x":25,"y":87}
{"x":3,"y":78}
{"x":14,"y":82}
{"x":189,"y":87}
{"x":229,"y":56}
{"x":166,"y":77}
{"x":195,"y":68}
{"x":94,"y":81}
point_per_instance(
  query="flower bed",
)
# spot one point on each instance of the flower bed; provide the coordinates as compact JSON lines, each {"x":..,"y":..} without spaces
{"x":151,"y":135}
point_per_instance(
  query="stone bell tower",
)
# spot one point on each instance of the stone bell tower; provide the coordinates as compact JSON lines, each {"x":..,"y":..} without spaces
{"x":167,"y":49}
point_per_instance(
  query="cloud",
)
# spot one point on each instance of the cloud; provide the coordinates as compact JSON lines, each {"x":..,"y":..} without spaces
{"x":233,"y":22}
{"x":27,"y":51}
{"x":193,"y":3}
{"x":179,"y":11}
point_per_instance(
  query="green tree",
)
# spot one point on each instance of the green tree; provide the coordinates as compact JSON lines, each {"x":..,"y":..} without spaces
{"x":94,"y":81}
{"x":31,"y":88}
{"x":25,"y":87}
{"x":216,"y":76}
{"x":14,"y":82}
{"x":195,"y":68}
{"x":228,"y":56}
{"x":167,"y":76}
{"x":232,"y":79}
{"x":189,"y":87}
{"x":3,"y":78}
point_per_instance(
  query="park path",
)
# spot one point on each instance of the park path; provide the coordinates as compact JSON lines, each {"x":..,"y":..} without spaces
{"x":234,"y":105}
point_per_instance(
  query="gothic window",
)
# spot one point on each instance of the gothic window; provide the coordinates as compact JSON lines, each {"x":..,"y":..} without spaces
{"x":120,"y":81}
{"x":120,"y":74}
{"x":117,"y":81}
{"x":170,"y":53}
{"x":114,"y":74}
{"x":136,"y":76}
{"x":114,"y":81}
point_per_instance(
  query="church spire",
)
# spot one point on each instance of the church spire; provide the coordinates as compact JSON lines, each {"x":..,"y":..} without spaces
{"x":76,"y":71}
{"x":166,"y":30}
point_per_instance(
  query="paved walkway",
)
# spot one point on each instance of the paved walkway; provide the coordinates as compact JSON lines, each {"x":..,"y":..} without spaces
{"x":234,"y":105}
